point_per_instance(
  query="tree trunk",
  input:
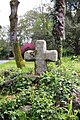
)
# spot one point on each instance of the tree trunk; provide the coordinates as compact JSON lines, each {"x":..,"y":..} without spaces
{"x":76,"y":49}
{"x":13,"y":34}
{"x":58,"y":25}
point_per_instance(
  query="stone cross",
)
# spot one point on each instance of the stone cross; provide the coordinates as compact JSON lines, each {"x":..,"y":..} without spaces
{"x":40,"y":55}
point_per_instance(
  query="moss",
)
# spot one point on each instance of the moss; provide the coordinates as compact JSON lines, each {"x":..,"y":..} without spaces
{"x":18,"y":57}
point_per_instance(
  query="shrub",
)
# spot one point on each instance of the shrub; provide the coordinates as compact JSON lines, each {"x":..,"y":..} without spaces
{"x":54,"y":96}
{"x":51,"y":96}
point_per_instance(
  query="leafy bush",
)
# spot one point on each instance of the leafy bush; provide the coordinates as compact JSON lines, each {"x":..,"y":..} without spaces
{"x":19,"y":82}
{"x":11,"y":103}
{"x":68,"y":51}
{"x":51,"y":96}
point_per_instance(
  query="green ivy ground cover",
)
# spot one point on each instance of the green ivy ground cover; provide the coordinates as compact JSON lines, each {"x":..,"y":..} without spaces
{"x":51,"y":96}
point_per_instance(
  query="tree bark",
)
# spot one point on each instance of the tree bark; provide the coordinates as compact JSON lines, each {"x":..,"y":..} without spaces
{"x":59,"y":25}
{"x":13,"y":34}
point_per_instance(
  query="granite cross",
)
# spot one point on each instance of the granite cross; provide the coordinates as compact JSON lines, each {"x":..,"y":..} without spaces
{"x":40,"y":55}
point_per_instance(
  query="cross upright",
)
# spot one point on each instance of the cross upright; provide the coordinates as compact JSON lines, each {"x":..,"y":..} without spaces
{"x":40,"y":55}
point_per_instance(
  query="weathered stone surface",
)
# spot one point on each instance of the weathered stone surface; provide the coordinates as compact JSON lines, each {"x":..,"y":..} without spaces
{"x":51,"y":55}
{"x":29,"y":55}
{"x":40,"y":55}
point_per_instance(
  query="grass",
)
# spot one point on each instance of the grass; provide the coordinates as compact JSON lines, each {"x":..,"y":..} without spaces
{"x":74,"y":64}
{"x":11,"y":64}
{"x":70,"y":64}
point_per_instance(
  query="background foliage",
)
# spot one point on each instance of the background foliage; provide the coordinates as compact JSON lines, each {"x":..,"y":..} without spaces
{"x":37,"y":24}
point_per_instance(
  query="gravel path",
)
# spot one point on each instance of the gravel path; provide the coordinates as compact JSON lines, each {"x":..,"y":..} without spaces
{"x":3,"y":61}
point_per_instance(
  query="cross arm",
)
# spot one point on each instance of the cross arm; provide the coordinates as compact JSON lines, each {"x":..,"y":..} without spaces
{"x":29,"y":55}
{"x":51,"y":55}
